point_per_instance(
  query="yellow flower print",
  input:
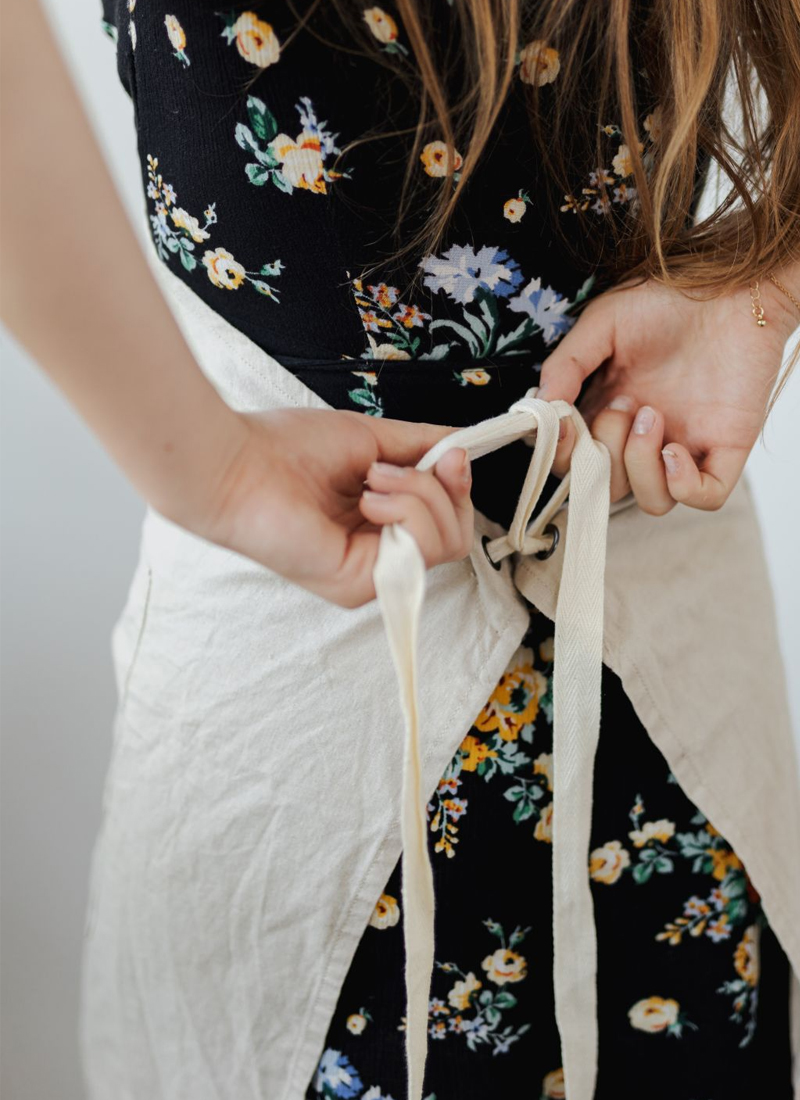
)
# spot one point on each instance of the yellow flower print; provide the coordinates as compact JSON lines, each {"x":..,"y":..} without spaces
{"x":386,"y":913}
{"x":606,"y":864}
{"x":724,"y":860}
{"x":544,"y":826}
{"x":356,"y":1023}
{"x":372,"y":320}
{"x":622,"y":163}
{"x":255,"y":40}
{"x":574,"y":205}
{"x":505,"y":966}
{"x":543,"y":765}
{"x":175,"y":31}
{"x":459,"y":995}
{"x":654,"y":1014}
{"x":385,"y":351}
{"x":474,"y":752}
{"x":719,"y":929}
{"x":177,"y":37}
{"x":385,"y":30}
{"x":553,"y":1087}
{"x":382,"y":25}
{"x":747,"y":956}
{"x":223,"y":270}
{"x":183,"y":220}
{"x":176,"y":232}
{"x":440,"y":159}
{"x":410,"y":316}
{"x":653,"y":125}
{"x":475,"y":376}
{"x":382,"y":293}
{"x":514,"y":703}
{"x":301,"y":160}
{"x":513,"y":209}
{"x":538,"y":63}
{"x":653,"y":830}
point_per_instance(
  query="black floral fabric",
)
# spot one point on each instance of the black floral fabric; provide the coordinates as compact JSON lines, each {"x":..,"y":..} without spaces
{"x":241,"y":118}
{"x":692,"y":985}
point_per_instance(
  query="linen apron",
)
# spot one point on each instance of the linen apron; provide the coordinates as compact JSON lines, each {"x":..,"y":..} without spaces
{"x":622,"y":585}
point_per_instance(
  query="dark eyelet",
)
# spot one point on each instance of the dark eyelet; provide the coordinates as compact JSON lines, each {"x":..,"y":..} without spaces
{"x":498,"y":565}
{"x":550,"y":529}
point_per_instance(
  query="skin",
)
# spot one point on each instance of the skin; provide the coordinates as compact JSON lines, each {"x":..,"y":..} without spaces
{"x":698,"y":374}
{"x":306,"y":492}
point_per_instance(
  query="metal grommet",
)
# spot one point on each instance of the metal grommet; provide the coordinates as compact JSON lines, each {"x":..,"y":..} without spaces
{"x":498,"y":565}
{"x":550,"y":529}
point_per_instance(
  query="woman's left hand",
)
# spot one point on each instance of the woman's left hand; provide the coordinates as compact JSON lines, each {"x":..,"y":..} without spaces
{"x":683,"y":390}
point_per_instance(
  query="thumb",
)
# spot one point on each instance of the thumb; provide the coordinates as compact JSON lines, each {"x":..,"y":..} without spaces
{"x":584,"y":348}
{"x":402,"y":442}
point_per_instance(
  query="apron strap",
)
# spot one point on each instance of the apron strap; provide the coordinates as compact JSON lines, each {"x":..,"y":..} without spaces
{"x":399,"y":576}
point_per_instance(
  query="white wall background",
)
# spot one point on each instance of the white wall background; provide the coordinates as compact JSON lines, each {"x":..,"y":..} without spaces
{"x":70,"y":527}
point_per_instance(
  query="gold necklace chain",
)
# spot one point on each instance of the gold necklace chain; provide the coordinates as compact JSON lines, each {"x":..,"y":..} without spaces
{"x":755,"y":298}
{"x":780,"y":286}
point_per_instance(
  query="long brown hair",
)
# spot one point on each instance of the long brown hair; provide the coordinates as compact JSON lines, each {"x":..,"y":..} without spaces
{"x":723,"y":77}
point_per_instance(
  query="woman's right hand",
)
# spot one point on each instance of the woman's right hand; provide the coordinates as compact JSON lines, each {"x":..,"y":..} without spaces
{"x":294,"y":500}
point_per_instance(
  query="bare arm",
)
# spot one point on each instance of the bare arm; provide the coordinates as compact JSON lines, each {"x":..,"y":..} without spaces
{"x":77,"y":292}
{"x":284,"y":487}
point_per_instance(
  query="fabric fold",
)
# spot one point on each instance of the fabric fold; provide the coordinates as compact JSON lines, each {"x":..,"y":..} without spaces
{"x":400,"y":582}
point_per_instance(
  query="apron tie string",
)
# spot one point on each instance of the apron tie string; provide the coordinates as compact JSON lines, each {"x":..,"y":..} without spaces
{"x":399,"y":576}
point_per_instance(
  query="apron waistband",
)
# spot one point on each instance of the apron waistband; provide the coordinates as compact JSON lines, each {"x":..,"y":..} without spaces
{"x":399,"y":576}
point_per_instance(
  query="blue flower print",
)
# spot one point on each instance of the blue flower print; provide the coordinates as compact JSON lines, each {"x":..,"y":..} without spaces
{"x":546,"y":308}
{"x":336,"y":1076}
{"x":461,"y":272}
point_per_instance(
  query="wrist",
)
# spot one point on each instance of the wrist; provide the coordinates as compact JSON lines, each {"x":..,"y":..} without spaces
{"x":191,"y":485}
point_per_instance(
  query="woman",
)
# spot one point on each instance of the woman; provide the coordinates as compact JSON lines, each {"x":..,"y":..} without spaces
{"x":248,"y":920}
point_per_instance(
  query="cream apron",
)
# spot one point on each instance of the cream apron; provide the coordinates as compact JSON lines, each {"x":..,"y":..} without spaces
{"x":264,"y":781}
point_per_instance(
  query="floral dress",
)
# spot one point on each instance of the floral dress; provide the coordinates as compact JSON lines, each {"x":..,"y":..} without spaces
{"x":259,"y":202}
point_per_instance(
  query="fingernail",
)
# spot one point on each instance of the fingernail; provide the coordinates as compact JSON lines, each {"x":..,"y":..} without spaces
{"x":621,"y":402}
{"x":373,"y":496}
{"x":543,"y":391}
{"x":645,"y":419}
{"x":670,"y":461}
{"x":388,"y":470}
{"x":562,"y":429}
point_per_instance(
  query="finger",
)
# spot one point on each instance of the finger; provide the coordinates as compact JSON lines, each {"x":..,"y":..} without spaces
{"x":402,"y":442}
{"x":708,"y":488}
{"x":413,"y":514}
{"x":449,"y":503}
{"x":454,"y":470}
{"x":584,"y":348}
{"x":645,"y":465}
{"x":566,"y":442}
{"x":612,"y":426}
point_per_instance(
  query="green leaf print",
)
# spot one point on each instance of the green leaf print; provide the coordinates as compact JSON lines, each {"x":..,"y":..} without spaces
{"x":257,"y":174}
{"x":264,"y":123}
{"x":370,"y":401}
{"x":281,"y":182}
